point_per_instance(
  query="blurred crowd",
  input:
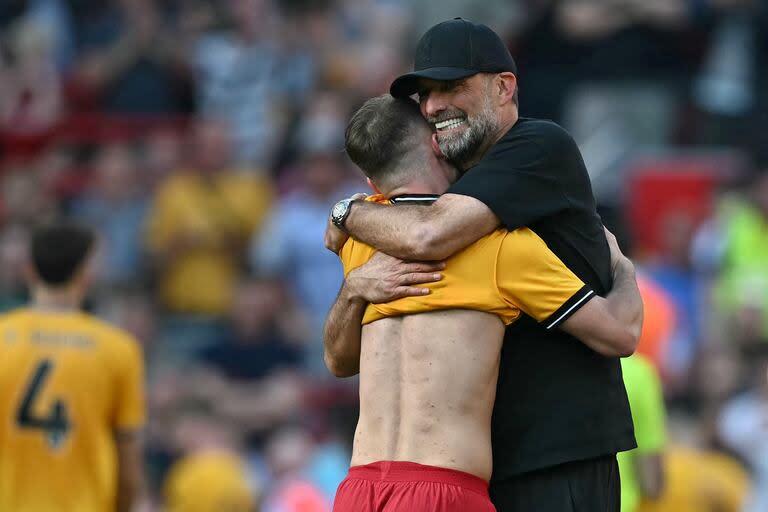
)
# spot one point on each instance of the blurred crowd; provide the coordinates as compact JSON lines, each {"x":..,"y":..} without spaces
{"x":203,"y":140}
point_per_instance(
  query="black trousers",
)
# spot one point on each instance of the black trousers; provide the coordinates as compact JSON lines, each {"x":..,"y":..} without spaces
{"x":583,"y":486}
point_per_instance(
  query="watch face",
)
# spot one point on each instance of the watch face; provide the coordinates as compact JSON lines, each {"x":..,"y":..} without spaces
{"x":338,"y":210}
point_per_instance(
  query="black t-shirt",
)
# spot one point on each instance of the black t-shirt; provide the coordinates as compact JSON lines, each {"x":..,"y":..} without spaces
{"x":557,"y":400}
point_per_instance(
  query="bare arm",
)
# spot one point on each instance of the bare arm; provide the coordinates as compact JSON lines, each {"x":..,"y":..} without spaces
{"x":414,"y":232}
{"x":611,"y":326}
{"x":342,"y":332}
{"x":130,"y":478}
{"x":381,"y":279}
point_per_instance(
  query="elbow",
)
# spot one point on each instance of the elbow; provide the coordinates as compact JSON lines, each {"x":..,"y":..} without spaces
{"x":338,"y":367}
{"x":620,"y":344}
{"x":423,"y":244}
{"x":627,"y":343}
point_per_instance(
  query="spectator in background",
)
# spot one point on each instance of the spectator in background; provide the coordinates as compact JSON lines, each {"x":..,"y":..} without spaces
{"x":210,"y":476}
{"x":672,"y":271}
{"x":30,"y":89}
{"x":611,"y":72}
{"x":240,"y":78}
{"x":129,"y":62}
{"x":288,"y":452}
{"x":698,"y":479}
{"x":290,"y":246}
{"x":197,"y":232}
{"x":641,"y":469}
{"x":726,"y":90}
{"x":254,"y":346}
{"x":248,"y":375}
{"x":742,"y":287}
{"x":115,"y":206}
{"x":743,"y":428}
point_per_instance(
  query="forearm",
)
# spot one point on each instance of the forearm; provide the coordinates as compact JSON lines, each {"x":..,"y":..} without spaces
{"x":624,"y":301}
{"x":342,"y":332}
{"x":611,"y":326}
{"x":395,"y":231}
{"x":422,"y":232}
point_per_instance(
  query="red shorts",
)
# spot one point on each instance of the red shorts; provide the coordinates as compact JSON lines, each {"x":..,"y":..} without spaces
{"x":411,"y":487}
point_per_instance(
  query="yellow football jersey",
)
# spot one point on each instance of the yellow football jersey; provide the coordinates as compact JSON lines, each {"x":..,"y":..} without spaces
{"x":68,"y":384}
{"x":209,"y":482}
{"x":505,"y":273}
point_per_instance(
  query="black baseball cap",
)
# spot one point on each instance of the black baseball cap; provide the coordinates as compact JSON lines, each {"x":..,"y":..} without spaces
{"x":452,"y":50}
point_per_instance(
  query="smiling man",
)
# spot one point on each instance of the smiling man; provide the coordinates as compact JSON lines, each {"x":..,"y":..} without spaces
{"x":561,"y":411}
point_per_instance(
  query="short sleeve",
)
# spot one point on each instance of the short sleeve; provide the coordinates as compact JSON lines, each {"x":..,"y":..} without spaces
{"x":522,"y":178}
{"x":647,"y":403}
{"x":531,"y":277}
{"x":130,"y":411}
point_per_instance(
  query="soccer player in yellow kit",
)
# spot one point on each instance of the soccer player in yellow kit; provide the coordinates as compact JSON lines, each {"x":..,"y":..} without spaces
{"x":71,"y":391}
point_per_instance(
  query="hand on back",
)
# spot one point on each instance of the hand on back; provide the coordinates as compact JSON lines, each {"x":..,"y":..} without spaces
{"x":385,"y":278}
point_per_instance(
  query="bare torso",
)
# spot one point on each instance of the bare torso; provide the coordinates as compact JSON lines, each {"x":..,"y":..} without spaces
{"x":427,"y":386}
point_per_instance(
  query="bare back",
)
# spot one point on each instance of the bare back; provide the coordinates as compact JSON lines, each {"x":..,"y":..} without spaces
{"x":427,"y":387}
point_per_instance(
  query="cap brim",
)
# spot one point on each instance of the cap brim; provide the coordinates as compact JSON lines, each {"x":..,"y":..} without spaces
{"x":407,"y":84}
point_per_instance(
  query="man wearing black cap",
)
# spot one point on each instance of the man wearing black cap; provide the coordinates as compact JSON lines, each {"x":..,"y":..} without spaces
{"x":561,"y":410}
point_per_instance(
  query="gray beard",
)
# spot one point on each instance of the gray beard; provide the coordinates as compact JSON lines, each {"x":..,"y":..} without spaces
{"x":463,"y":148}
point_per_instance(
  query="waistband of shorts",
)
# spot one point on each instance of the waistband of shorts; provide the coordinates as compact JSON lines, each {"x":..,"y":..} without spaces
{"x":401,"y":471}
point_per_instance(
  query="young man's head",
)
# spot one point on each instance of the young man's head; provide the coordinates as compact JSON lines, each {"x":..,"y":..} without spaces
{"x":466,"y":80}
{"x":60,"y":257}
{"x":392,"y":144}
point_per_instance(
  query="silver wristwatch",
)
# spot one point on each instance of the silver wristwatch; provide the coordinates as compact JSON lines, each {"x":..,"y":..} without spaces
{"x":340,"y":212}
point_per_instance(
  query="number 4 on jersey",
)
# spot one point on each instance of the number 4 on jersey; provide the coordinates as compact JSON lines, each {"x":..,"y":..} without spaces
{"x":55,"y":424}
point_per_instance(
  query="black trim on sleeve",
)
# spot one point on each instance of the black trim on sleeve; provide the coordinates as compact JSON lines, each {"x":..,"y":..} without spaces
{"x":570,"y":306}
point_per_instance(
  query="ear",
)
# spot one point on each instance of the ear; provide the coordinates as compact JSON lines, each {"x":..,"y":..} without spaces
{"x":506,"y":84}
{"x":373,"y":186}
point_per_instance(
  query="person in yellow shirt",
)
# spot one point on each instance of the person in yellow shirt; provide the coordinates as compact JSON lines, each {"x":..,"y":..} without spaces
{"x":200,"y":223}
{"x":209,"y":476}
{"x":71,"y":391}
{"x":209,"y":481}
{"x":700,"y":481}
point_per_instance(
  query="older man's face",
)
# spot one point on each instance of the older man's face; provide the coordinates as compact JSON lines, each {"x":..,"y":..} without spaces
{"x":461,"y":114}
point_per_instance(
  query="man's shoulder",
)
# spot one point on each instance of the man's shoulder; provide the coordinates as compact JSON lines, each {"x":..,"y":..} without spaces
{"x":536,"y":130}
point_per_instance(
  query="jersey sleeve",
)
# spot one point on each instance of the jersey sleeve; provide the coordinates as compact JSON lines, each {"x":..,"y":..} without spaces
{"x":521,"y":179}
{"x":130,"y":408}
{"x":529,"y":276}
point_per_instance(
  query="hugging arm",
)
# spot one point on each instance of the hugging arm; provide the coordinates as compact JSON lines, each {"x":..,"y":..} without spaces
{"x":532,"y":278}
{"x":417,"y":232}
{"x":611,"y":325}
{"x":342,"y":332}
{"x":382,"y":279}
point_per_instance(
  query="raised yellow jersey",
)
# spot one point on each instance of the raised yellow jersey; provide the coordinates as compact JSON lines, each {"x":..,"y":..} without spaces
{"x":68,"y":384}
{"x":505,"y":273}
